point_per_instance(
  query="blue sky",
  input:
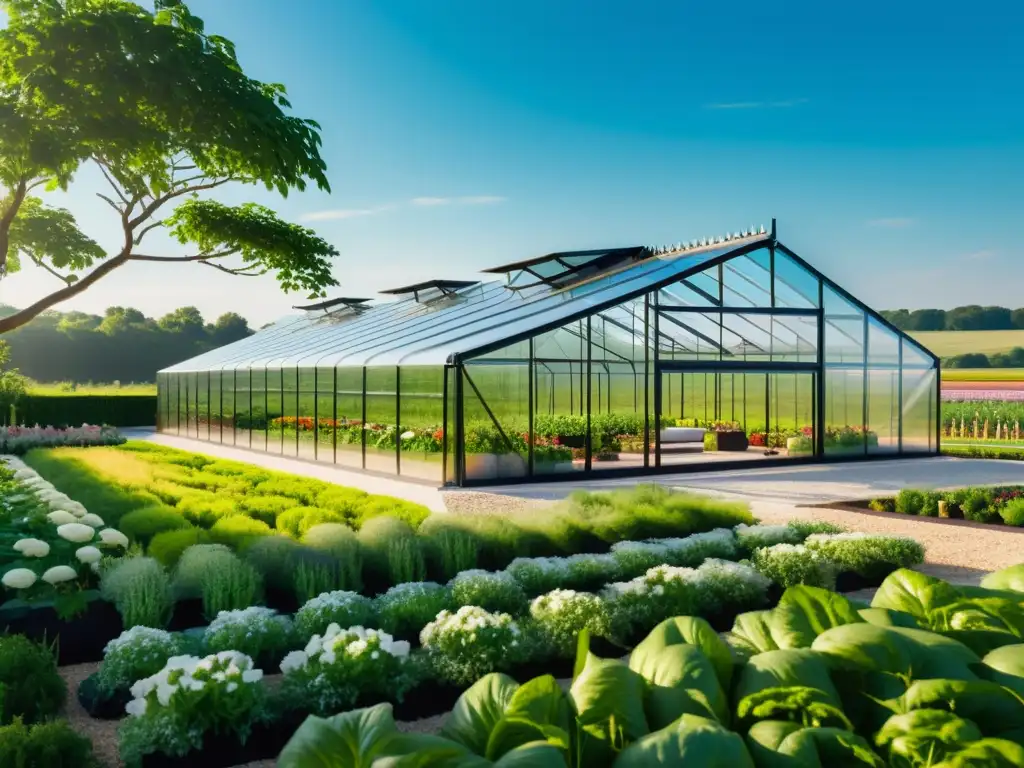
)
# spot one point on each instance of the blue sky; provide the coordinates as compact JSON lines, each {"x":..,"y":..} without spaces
{"x":887,"y":138}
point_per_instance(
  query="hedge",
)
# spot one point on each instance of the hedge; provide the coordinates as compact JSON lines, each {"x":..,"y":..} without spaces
{"x":75,"y":410}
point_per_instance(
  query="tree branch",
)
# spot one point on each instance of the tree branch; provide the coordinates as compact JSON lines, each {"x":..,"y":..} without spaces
{"x":111,"y":182}
{"x":197,"y":257}
{"x":37,"y":183}
{"x":238,"y":272}
{"x":40,"y":263}
{"x":20,"y":318}
{"x":146,"y":229}
{"x":17,"y":198}
{"x":150,"y":209}
{"x":110,"y":202}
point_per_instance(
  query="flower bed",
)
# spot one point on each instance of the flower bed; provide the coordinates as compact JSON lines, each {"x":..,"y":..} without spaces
{"x":999,"y":506}
{"x":818,"y":680}
{"x":20,"y":440}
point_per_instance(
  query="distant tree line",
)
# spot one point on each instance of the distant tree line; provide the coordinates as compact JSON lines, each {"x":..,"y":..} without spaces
{"x":968,"y":318}
{"x":122,"y":345}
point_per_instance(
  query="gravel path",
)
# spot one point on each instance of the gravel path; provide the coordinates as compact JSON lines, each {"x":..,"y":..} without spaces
{"x":479,"y":503}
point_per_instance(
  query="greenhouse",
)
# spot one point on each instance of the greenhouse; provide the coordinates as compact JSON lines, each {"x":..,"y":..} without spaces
{"x":717,"y":353}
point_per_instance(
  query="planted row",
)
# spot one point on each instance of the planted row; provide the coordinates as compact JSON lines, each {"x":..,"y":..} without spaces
{"x":980,"y":504}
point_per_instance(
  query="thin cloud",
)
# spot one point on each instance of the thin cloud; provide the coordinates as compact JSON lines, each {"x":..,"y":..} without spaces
{"x":783,"y":104}
{"x":981,"y":255}
{"x":468,"y":200}
{"x":892,"y":223}
{"x":339,"y":214}
{"x":429,"y":201}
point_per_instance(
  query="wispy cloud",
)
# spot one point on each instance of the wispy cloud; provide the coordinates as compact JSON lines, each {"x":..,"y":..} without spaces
{"x":338,"y":214}
{"x":783,"y":104}
{"x":892,"y":223}
{"x":982,"y":255}
{"x":468,"y":200}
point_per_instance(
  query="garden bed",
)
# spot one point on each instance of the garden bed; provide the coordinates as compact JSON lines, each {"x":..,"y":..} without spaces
{"x":1000,"y":506}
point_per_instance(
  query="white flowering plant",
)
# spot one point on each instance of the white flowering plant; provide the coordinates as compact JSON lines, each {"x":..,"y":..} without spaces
{"x":406,"y":608}
{"x":135,"y":654}
{"x":346,"y":609}
{"x":753,"y":537}
{"x":343,"y":666}
{"x":791,"y":564}
{"x":467,"y":644}
{"x":868,"y":555}
{"x":256,"y":631}
{"x":20,"y":440}
{"x":490,"y":590}
{"x":590,"y":571}
{"x":173,"y":709}
{"x":561,"y":614}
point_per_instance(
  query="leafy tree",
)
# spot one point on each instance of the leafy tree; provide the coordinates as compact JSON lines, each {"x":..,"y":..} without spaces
{"x":927,"y":320}
{"x":187,"y":321}
{"x":229,"y":327}
{"x":12,"y":384}
{"x":79,"y":321}
{"x":120,"y":319}
{"x":1017,"y":318}
{"x":165,"y":112}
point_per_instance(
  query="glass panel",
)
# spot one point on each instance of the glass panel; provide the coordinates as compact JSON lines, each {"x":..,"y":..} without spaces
{"x":192,"y":395}
{"x":325,"y":415}
{"x":748,"y":280}
{"x":794,"y":285}
{"x":161,"y":402}
{"x":920,"y":385}
{"x":560,"y":391}
{"x":227,"y":407}
{"x":381,"y":419}
{"x":242,"y":408}
{"x":497,"y":420}
{"x":264,"y":418}
{"x":305,"y":423}
{"x":350,"y":417}
{"x":215,"y":410}
{"x":883,"y":417}
{"x":289,"y":411}
{"x":844,"y":376}
{"x":421,"y":408}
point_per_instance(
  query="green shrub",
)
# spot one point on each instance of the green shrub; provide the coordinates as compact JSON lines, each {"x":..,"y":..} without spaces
{"x":237,"y":469}
{"x":977,"y":506}
{"x":45,"y":745}
{"x":32,"y":688}
{"x":930,"y":504}
{"x":237,"y":531}
{"x":205,"y":508}
{"x":882,"y":505}
{"x":375,"y":538}
{"x":909,"y":502}
{"x":341,"y":542}
{"x":167,"y":547}
{"x":274,"y":557}
{"x":196,"y":565}
{"x":347,"y":501}
{"x":377,"y":506}
{"x":297,"y":520}
{"x":230,"y":585}
{"x":406,"y":561}
{"x":499,"y":540}
{"x":265,"y":508}
{"x":314,"y":573}
{"x":1013,"y":512}
{"x":451,"y":551}
{"x":143,"y":524}
{"x":140,"y":589}
{"x":301,"y":489}
{"x":805,"y":528}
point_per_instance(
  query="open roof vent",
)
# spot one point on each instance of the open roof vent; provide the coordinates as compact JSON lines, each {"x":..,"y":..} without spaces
{"x":432,"y":290}
{"x":560,"y":270}
{"x":335,"y":308}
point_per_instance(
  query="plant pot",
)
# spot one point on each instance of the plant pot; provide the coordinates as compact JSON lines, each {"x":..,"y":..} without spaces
{"x":80,"y":639}
{"x":735,"y":440}
{"x":101,"y":705}
{"x":552,"y":467}
{"x":511,"y":465}
{"x":481,"y":466}
{"x":572,"y":441}
{"x":223,"y":750}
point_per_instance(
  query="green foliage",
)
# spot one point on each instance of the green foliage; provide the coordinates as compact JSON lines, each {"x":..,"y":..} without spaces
{"x":231,"y":588}
{"x":275,"y":558}
{"x":405,"y":560}
{"x":238,"y":531}
{"x":451,"y":551}
{"x":142,"y":525}
{"x":168,"y":547}
{"x":1013,"y":513}
{"x":140,"y":589}
{"x":32,"y":688}
{"x":53,"y":744}
{"x":297,"y":520}
{"x":340,"y":542}
{"x":196,"y":564}
{"x":315,"y":573}
{"x":909,"y":502}
{"x":375,"y":540}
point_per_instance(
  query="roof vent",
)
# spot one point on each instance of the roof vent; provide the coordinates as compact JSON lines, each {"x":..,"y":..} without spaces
{"x":431,"y":290}
{"x":335,"y":306}
{"x":560,"y":270}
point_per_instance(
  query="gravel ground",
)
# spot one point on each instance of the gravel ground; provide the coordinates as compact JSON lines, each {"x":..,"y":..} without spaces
{"x":478,"y":503}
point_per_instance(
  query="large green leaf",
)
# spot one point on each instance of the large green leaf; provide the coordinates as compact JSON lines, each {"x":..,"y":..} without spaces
{"x":1011,"y":579}
{"x":997,"y":711}
{"x":804,"y":612}
{"x":789,"y":668}
{"x":1005,"y":666}
{"x":349,"y":740}
{"x":981,"y":613}
{"x":680,"y":680}
{"x":478,"y":710}
{"x":692,"y":742}
{"x":809,"y":707}
{"x":543,"y":701}
{"x":609,"y":700}
{"x":421,"y":751}
{"x":982,"y":641}
{"x":775,"y":744}
{"x":987,"y":753}
{"x":752,"y":630}
{"x":911,"y":653}
{"x":919,"y":738}
{"x":513,"y":732}
{"x":914,"y":593}
{"x":689,"y":630}
{"x":885,"y":617}
{"x":537,"y":755}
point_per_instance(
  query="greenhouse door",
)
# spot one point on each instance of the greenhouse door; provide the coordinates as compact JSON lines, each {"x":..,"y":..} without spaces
{"x":715,"y":414}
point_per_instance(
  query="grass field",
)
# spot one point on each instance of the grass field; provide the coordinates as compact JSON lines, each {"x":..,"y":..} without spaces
{"x":949,"y":343}
{"x":59,"y":389}
{"x":952,"y":375}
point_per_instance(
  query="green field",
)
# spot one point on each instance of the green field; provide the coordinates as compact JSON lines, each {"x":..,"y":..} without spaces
{"x":982,"y":374}
{"x":62,"y":389}
{"x":949,"y":343}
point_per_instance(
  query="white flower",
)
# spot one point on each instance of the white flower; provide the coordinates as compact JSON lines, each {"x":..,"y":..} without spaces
{"x":232,"y":687}
{"x":293,"y":661}
{"x":252,"y":675}
{"x":60,"y":517}
{"x":88,"y":554}
{"x":59,"y":574}
{"x":19,"y":578}
{"x":136,"y":707}
{"x":32,"y":547}
{"x":113,"y":537}
{"x":164,"y":691}
{"x":409,"y":435}
{"x":75,"y":532}
{"x":95,"y":521}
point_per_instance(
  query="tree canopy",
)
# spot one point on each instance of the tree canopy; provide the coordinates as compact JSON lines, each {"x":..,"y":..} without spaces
{"x":164,"y":111}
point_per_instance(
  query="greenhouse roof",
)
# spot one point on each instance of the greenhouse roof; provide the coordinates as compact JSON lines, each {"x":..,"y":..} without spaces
{"x":468,"y":319}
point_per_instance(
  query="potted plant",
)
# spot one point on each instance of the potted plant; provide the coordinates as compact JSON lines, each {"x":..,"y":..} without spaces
{"x":727,"y":436}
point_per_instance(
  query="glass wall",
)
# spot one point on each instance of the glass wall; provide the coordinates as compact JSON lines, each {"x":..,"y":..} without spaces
{"x":755,"y":356}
